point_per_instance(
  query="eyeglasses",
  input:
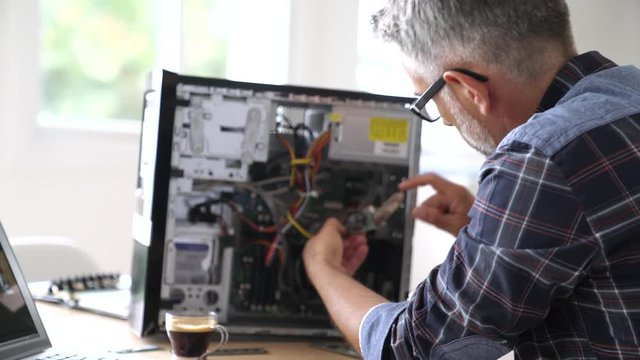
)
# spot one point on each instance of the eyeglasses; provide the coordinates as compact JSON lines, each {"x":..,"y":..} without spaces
{"x":430,"y":113}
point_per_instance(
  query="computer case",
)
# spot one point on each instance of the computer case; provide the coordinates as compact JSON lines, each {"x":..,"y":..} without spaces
{"x":233,"y":179}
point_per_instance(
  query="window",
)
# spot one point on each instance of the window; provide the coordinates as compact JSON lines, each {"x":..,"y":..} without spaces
{"x":95,"y":55}
{"x":379,"y":69}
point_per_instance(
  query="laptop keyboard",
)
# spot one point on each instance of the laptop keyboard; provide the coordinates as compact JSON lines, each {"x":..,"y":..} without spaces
{"x":55,"y":355}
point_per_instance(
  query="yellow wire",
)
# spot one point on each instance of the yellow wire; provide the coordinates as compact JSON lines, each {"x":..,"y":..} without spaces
{"x":298,"y":227}
{"x":292,"y":156}
{"x":294,"y":162}
{"x":301,"y":161}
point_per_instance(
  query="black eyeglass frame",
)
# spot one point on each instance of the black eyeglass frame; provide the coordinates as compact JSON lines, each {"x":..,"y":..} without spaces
{"x":422,"y":101}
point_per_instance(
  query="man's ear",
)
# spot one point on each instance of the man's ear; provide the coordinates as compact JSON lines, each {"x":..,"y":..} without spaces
{"x":475,"y":91}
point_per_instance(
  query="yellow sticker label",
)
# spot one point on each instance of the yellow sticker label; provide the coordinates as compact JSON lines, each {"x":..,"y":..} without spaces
{"x":391,"y":130}
{"x":335,"y":117}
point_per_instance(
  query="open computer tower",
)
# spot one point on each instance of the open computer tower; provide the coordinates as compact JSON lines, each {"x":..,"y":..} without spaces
{"x":233,"y":179}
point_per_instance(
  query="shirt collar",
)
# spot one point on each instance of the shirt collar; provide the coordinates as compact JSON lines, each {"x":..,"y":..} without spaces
{"x":572,"y":72}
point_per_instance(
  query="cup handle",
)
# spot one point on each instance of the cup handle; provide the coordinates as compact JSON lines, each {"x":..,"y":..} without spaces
{"x":224,"y":337}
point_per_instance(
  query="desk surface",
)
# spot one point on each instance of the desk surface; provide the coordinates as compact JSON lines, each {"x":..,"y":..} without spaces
{"x":69,"y":328}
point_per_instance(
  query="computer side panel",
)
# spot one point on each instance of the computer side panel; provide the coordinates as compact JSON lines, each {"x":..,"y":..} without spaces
{"x":149,"y":218}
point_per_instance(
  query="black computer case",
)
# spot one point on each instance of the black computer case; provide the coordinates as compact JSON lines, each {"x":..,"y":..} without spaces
{"x":235,"y":176}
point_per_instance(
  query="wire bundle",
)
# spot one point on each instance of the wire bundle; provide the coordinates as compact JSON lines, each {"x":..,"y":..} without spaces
{"x":311,"y":163}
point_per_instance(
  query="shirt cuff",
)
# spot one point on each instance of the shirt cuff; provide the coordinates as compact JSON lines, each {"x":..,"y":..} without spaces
{"x":375,"y":327}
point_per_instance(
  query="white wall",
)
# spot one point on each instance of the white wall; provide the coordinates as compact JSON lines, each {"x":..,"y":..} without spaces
{"x":54,"y":181}
{"x":4,"y":155}
{"x":19,"y":81}
{"x":611,"y":27}
{"x":324,"y":41}
{"x":80,"y":183}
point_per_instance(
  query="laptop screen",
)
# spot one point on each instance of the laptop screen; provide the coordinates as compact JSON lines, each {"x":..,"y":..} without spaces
{"x":21,"y":330}
{"x":14,"y":316}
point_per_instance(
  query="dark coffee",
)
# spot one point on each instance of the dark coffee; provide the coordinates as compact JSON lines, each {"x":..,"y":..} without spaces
{"x":190,"y":343}
{"x":191,"y":333}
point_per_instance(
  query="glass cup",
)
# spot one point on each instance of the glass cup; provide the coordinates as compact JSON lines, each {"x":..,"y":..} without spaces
{"x":191,"y":333}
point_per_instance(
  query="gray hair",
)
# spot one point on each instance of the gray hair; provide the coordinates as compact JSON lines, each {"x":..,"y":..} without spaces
{"x":515,"y":37}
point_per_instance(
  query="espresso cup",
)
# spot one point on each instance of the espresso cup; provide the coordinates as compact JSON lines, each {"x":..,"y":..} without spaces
{"x":191,"y":334}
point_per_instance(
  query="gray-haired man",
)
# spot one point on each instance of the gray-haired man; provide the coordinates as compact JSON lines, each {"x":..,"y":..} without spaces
{"x":547,"y":253}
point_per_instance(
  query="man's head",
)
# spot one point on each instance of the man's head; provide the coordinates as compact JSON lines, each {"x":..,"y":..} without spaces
{"x":518,"y":45}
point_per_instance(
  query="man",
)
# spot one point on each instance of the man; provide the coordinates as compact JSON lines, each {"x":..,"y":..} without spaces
{"x":547,"y":254}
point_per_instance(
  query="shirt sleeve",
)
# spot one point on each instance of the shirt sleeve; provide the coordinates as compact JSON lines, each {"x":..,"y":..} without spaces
{"x":527,"y":245}
{"x":375,"y":326}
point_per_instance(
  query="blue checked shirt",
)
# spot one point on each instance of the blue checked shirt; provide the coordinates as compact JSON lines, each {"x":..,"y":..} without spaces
{"x":550,"y":262}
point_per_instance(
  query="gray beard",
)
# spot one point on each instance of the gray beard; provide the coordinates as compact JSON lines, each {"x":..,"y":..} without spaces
{"x":471,"y":131}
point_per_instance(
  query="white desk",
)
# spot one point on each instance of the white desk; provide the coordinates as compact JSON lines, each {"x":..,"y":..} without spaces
{"x":73,"y":329}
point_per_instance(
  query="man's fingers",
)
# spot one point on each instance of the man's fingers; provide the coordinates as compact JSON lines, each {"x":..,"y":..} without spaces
{"x":451,"y":223}
{"x":352,"y":243}
{"x":438,"y":182}
{"x":348,"y":249}
{"x":437,"y":201}
{"x":434,"y":205}
{"x":425,"y":213}
{"x":359,"y":256}
{"x":352,"y":263}
{"x":357,"y":239}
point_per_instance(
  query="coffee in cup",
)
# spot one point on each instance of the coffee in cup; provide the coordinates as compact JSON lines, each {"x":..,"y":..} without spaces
{"x":191,"y":333}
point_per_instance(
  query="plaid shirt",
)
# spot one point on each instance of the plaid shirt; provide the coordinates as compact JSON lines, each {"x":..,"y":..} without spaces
{"x":550,"y":262}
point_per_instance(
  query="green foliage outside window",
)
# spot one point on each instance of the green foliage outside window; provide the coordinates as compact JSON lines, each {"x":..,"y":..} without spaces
{"x":205,"y":26}
{"x":96,"y":54}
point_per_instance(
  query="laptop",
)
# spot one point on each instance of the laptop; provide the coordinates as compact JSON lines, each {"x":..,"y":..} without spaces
{"x":22,"y":334}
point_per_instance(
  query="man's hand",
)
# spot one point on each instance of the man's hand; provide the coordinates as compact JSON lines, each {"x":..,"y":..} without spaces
{"x":448,"y":208}
{"x":330,"y":262}
{"x":328,"y":247}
